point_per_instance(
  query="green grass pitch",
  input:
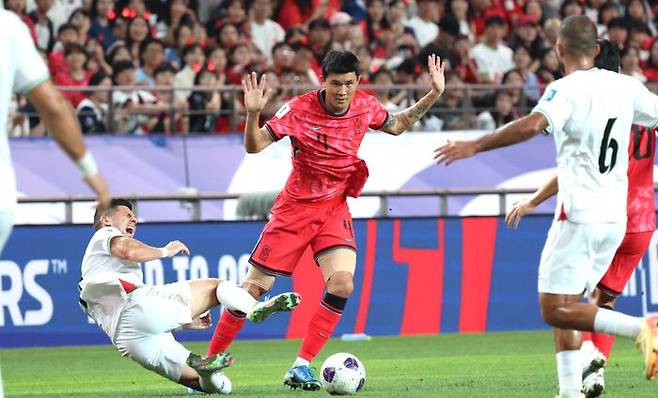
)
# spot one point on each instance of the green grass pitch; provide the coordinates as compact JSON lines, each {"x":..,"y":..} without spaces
{"x":451,"y":365}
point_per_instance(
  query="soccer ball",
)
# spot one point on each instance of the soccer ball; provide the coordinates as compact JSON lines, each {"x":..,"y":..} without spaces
{"x":343,"y":374}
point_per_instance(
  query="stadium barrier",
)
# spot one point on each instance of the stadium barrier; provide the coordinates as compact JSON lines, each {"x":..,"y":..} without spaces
{"x":414,"y":276}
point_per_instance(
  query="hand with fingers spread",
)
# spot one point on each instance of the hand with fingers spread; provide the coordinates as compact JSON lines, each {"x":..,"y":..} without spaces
{"x":256,"y":94}
{"x":454,"y":150}
{"x":520,"y":209}
{"x":437,"y":73}
{"x":174,"y":247}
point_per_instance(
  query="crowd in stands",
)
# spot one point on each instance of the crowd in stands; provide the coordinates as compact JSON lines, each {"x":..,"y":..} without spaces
{"x":175,"y":66}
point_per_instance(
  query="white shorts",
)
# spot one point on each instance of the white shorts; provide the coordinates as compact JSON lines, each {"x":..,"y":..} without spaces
{"x":576,"y":256}
{"x":144,"y":329}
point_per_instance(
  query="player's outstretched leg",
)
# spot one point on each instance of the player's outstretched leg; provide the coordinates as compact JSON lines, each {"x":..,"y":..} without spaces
{"x":208,"y":365}
{"x":283,"y":302}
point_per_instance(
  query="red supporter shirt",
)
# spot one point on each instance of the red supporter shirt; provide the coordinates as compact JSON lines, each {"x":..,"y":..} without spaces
{"x":324,"y":145}
{"x":641,"y":207}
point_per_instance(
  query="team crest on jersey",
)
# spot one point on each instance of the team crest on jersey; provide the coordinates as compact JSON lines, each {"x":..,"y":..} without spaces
{"x":550,"y":95}
{"x":282,"y":111}
{"x":265,"y":253}
{"x":357,"y":125}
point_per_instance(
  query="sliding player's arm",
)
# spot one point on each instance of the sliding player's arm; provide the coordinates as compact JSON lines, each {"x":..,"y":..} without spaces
{"x":527,"y":206}
{"x":400,"y":122}
{"x":130,"y":249}
{"x":255,"y":97}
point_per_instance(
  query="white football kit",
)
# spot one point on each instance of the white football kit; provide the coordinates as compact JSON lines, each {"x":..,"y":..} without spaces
{"x":21,"y":69}
{"x":137,"y":318}
{"x":589,"y":114}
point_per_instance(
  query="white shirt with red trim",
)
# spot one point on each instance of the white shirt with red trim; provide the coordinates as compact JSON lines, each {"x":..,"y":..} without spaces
{"x":106,"y":281}
{"x":589,"y":114}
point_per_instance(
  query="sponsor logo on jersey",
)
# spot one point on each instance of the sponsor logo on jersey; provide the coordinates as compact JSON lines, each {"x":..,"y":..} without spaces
{"x":550,"y":95}
{"x":282,"y":111}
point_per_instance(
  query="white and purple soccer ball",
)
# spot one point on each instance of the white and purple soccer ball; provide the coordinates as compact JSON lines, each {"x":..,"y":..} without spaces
{"x":343,"y":374}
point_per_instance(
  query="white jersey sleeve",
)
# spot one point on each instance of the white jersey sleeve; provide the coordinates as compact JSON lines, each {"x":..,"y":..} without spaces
{"x":645,"y":106}
{"x":556,"y":106}
{"x":30,"y":68}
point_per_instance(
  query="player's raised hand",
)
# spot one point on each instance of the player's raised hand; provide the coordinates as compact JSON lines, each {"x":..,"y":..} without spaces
{"x":256,"y":94}
{"x":437,"y":73}
{"x":519,"y":209}
{"x":175,"y":247}
{"x":454,"y":150}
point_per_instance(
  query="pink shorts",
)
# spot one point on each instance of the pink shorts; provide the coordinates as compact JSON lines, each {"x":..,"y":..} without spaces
{"x":626,"y":259}
{"x":294,"y":226}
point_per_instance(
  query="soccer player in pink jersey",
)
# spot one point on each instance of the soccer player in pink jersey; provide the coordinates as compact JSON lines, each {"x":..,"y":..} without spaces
{"x":326,"y":128}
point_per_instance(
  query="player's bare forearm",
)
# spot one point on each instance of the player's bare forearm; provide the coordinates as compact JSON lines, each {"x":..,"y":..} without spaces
{"x":59,"y":117}
{"x":130,"y":249}
{"x":544,"y":192}
{"x":400,"y":122}
{"x":512,"y":133}
{"x":255,"y":139}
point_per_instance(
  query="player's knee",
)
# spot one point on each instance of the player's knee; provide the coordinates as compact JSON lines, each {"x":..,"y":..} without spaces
{"x":341,"y":284}
{"x":551,"y":315}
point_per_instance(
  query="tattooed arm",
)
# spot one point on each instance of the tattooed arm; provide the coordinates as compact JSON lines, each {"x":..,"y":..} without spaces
{"x":398,"y":123}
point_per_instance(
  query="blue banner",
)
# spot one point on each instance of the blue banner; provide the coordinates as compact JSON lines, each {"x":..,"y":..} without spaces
{"x":414,"y":276}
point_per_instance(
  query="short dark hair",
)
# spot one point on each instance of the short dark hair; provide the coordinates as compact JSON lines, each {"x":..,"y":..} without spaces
{"x":67,"y":26}
{"x":73,"y":48}
{"x":144,"y":44}
{"x":97,"y":78}
{"x":609,"y":57}
{"x":121,"y":66}
{"x":340,"y":62}
{"x":579,"y":35}
{"x":110,"y":210}
{"x":494,"y":20}
{"x":163,"y":68}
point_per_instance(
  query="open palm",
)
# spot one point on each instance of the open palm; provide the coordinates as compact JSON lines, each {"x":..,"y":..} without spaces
{"x":437,"y":73}
{"x":255,"y":93}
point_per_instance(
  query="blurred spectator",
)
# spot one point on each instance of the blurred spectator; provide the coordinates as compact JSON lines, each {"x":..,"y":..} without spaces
{"x":102,"y":13}
{"x":132,"y":107}
{"x":522,"y":103}
{"x":92,"y":110}
{"x":454,"y":108}
{"x":396,"y":16}
{"x":120,"y":28}
{"x":75,"y":74}
{"x":523,"y":63}
{"x":118,"y":52}
{"x":492,"y":57}
{"x":571,"y":7}
{"x":639,"y":36}
{"x":151,"y":55}
{"x":460,"y":10}
{"x":278,"y":98}
{"x":502,"y":113}
{"x":305,"y":65}
{"x":607,"y":12}
{"x":630,"y":63}
{"x":527,"y":35}
{"x":482,"y":10}
{"x":319,"y":38}
{"x":618,"y":31}
{"x":66,"y":35}
{"x":97,"y":61}
{"x":375,"y":21}
{"x":464,"y":66}
{"x":43,"y":25}
{"x":137,"y":31}
{"x":80,"y":19}
{"x":592,"y":8}
{"x":650,"y":67}
{"x":228,"y":35}
{"x":183,"y":35}
{"x":204,"y":105}
{"x":282,"y":58}
{"x":18,"y":7}
{"x":550,"y":62}
{"x":194,"y":59}
{"x":551,"y":30}
{"x":636,"y":10}
{"x":178,"y":14}
{"x":265,"y":33}
{"x":340,"y":31}
{"x":443,"y":44}
{"x":424,"y":23}
{"x":171,"y":114}
{"x":291,"y":13}
{"x":383,"y":77}
{"x":364,"y":56}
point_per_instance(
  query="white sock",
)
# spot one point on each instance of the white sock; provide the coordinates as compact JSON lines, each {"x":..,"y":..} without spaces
{"x":587,"y":348}
{"x":216,"y":383}
{"x":234,"y":297}
{"x":569,"y":372}
{"x":300,"y":362}
{"x":616,"y":323}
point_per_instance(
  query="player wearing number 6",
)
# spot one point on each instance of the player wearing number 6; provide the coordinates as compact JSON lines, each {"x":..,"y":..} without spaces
{"x":589,"y":113}
{"x":326,"y":128}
